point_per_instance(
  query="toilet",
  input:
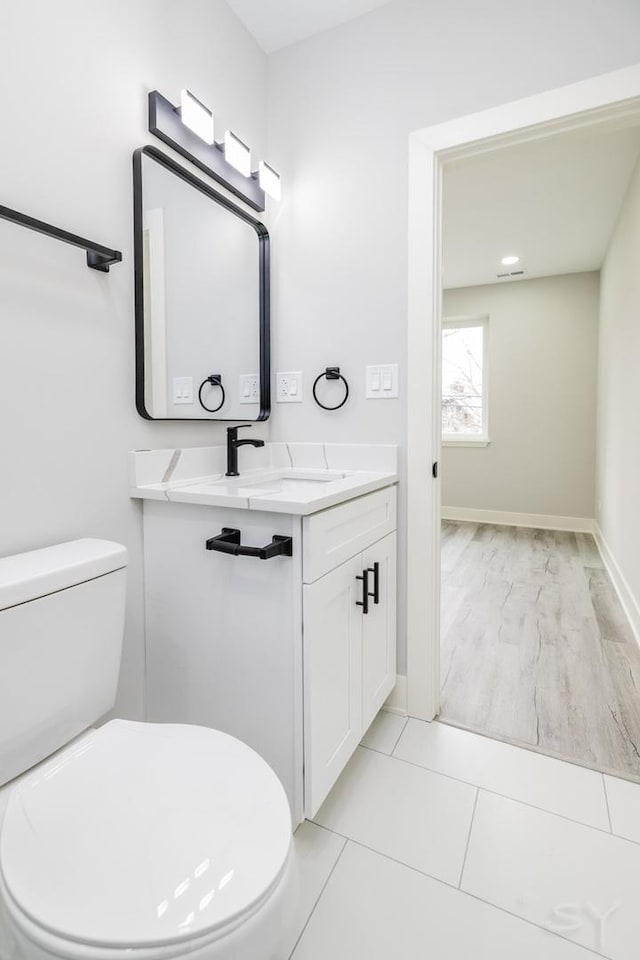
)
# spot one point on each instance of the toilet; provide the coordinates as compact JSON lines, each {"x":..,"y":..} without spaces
{"x":131,"y":840}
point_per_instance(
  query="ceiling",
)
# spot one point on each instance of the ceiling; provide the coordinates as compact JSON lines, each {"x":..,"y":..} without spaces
{"x":553,"y":202}
{"x":279,"y":23}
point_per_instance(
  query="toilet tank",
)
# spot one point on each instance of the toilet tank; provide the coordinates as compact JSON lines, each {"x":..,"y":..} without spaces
{"x":61,"y":627}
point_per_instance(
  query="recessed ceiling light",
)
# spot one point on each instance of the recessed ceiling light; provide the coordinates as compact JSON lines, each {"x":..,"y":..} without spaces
{"x":508,"y":261}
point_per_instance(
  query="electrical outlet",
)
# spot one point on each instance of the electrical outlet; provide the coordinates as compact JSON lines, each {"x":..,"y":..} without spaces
{"x":289,"y":387}
{"x":249,"y":388}
{"x":183,"y":389}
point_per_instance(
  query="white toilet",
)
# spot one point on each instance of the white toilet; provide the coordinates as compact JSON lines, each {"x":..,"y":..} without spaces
{"x":136,"y":840}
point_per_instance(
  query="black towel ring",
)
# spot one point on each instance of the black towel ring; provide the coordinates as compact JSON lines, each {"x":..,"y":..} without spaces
{"x":215,"y":379}
{"x":331,"y":373}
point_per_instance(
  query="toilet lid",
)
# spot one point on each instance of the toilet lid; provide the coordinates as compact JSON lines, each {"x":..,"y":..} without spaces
{"x":145,"y":834}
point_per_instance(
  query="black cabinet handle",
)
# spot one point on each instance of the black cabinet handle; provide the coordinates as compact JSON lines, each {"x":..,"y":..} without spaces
{"x":229,"y":542}
{"x":364,"y":603}
{"x":375,"y":570}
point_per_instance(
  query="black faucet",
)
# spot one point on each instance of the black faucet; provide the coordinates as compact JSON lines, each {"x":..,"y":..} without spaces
{"x":232,"y":448}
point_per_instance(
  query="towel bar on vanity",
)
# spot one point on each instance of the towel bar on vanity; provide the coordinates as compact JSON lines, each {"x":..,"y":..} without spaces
{"x":229,"y":542}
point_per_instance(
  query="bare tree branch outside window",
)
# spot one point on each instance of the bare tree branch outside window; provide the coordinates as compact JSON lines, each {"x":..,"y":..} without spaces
{"x":462,"y":380}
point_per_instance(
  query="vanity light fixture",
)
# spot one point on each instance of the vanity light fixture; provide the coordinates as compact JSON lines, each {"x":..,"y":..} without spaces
{"x":510,"y":260}
{"x":237,"y":153}
{"x":195,"y":115}
{"x":269,"y":180}
{"x":189,"y":129}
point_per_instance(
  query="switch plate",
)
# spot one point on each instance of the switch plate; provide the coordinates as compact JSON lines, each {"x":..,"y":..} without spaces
{"x":382,"y":381}
{"x":183,"y":389}
{"x":249,"y":388}
{"x":289,"y":387}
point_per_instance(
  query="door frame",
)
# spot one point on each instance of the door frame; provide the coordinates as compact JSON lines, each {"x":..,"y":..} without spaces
{"x":586,"y":103}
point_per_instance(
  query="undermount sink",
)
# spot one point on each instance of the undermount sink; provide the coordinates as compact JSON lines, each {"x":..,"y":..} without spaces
{"x":288,"y":484}
{"x":298,"y":484}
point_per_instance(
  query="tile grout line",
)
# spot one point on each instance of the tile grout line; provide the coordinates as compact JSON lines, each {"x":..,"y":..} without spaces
{"x":466,"y":849}
{"x":450,"y":886}
{"x":505,"y":796}
{"x":404,"y":727}
{"x":324,"y":886}
{"x":532,"y":923}
{"x":606,"y":800}
{"x":387,"y":856}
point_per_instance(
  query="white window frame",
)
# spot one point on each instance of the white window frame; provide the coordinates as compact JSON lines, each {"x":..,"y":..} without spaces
{"x":479,"y":440}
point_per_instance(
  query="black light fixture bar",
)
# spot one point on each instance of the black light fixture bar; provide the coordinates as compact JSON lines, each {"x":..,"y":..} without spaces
{"x":165,"y":123}
{"x":98,"y":257}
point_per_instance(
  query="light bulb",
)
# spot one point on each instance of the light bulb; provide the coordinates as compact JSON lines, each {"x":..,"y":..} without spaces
{"x":269,"y":180}
{"x":237,"y":153}
{"x":196,"y":116}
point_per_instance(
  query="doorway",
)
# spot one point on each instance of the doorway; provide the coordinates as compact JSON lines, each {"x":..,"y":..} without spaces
{"x":583,"y":106}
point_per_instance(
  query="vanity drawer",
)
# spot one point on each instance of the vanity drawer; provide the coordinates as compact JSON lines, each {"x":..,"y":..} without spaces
{"x":339,"y":533}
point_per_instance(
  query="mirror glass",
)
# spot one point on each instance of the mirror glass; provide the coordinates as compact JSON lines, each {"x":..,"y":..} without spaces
{"x":202,"y":312}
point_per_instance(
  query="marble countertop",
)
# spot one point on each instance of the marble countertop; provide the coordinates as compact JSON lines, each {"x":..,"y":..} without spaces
{"x":297,"y":479}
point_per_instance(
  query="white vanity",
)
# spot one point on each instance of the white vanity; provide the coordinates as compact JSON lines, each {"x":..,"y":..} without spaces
{"x":294,"y":654}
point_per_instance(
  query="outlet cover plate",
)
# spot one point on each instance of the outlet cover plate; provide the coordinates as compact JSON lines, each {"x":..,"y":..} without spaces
{"x":289,"y":387}
{"x":249,"y":388}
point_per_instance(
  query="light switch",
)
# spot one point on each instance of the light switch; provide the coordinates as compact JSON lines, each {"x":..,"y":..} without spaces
{"x":183,"y":389}
{"x":382,"y":381}
{"x":289,"y":387}
{"x":249,"y":388}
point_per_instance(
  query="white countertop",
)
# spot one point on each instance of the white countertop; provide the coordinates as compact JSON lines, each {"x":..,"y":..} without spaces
{"x":331,"y":474}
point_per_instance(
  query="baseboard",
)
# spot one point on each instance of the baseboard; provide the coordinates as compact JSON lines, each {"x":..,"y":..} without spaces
{"x":396,"y":702}
{"x":508,"y":519}
{"x":629,"y":602}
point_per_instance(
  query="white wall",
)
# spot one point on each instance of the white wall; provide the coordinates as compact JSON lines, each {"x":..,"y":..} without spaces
{"x":618,"y":445}
{"x":341,"y":106}
{"x":75,"y":77}
{"x":543,"y":346}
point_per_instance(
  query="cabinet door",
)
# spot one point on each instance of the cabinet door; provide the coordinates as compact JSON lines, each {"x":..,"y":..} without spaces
{"x":379,"y":628}
{"x":332,"y":677}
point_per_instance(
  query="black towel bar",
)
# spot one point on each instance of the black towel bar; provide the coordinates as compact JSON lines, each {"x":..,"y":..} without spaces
{"x":229,"y":542}
{"x":98,"y":257}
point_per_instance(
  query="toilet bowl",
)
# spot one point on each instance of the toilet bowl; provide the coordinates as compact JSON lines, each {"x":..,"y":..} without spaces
{"x":132,"y":841}
{"x":147,"y":841}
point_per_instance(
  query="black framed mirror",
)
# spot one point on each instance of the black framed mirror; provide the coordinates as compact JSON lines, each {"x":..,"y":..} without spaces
{"x":201,"y":298}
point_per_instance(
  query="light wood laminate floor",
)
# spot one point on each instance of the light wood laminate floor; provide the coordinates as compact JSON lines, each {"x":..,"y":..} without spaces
{"x":536,"y":648}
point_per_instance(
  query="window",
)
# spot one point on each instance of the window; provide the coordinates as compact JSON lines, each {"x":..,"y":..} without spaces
{"x":464,"y":380}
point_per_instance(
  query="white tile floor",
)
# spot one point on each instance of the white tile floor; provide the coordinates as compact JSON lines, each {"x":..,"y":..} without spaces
{"x":439,"y":843}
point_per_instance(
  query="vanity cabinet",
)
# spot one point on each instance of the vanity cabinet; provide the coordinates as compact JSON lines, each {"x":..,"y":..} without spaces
{"x":279,"y":653}
{"x":349,"y":660}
